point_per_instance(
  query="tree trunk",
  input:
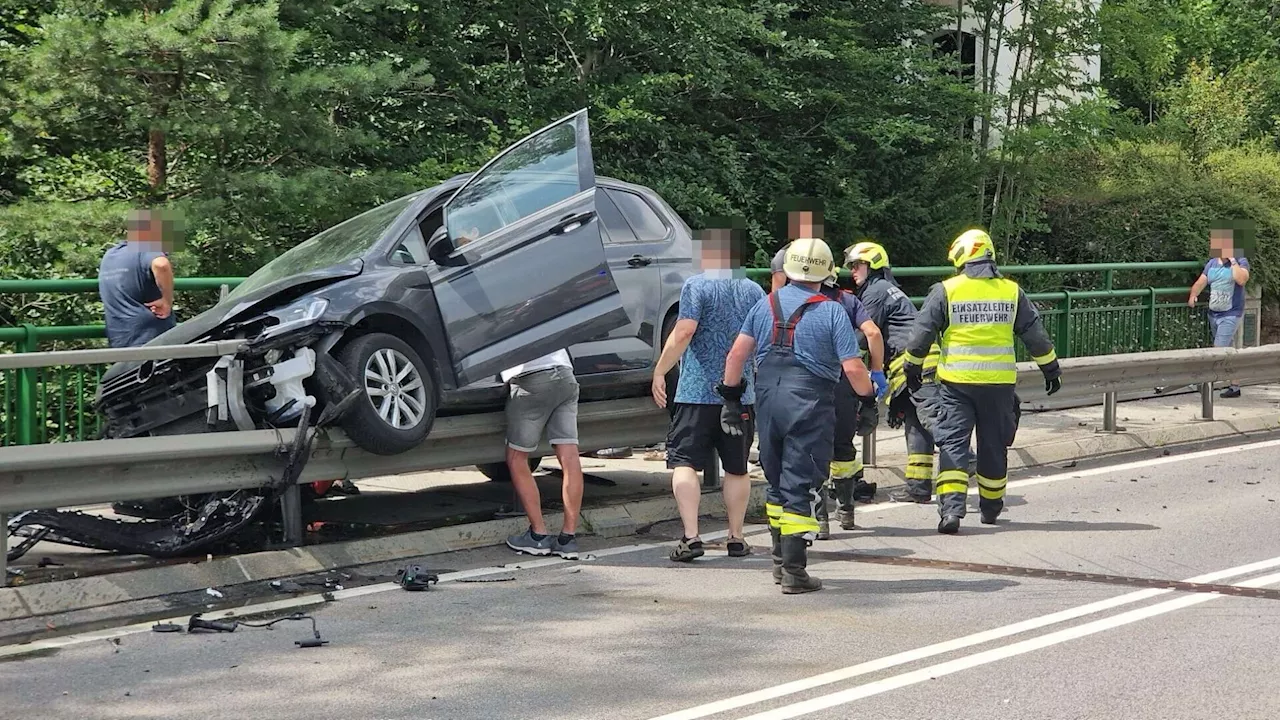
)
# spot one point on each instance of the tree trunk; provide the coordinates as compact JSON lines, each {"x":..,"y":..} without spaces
{"x":157,"y":160}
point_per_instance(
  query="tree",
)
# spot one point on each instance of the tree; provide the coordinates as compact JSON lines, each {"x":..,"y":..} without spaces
{"x":193,"y":83}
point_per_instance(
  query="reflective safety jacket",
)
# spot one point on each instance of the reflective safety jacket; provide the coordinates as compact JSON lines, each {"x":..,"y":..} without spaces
{"x":974,"y":318}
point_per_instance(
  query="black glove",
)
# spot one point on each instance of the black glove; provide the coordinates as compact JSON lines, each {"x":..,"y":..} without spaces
{"x":914,"y":375}
{"x":895,"y":419}
{"x":733,"y":417}
{"x":868,"y":415}
{"x":1052,"y":377}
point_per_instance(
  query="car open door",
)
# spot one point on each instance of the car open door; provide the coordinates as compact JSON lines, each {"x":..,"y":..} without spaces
{"x":519,"y":268}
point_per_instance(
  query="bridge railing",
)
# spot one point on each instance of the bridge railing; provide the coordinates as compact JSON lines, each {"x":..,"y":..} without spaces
{"x":54,"y":403}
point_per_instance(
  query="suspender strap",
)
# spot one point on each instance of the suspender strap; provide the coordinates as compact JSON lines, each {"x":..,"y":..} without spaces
{"x":784,"y":332}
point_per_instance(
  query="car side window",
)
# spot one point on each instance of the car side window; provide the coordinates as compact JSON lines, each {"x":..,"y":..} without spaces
{"x":534,"y":175}
{"x":412,"y":249}
{"x":616,"y":229}
{"x":647,"y":224}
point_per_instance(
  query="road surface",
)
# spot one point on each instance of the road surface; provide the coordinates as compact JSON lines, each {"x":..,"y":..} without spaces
{"x":629,"y":635}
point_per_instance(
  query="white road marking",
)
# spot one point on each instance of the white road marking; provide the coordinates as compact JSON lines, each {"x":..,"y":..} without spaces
{"x":308,"y":600}
{"x":989,"y":656}
{"x":910,"y":656}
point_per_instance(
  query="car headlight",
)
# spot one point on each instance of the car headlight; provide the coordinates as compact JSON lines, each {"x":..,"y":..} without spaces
{"x":295,"y":316}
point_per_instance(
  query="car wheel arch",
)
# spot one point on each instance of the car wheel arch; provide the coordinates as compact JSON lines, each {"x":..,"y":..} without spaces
{"x":401,"y":328}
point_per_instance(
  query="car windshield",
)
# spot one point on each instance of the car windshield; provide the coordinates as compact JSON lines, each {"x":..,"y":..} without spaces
{"x":338,"y":244}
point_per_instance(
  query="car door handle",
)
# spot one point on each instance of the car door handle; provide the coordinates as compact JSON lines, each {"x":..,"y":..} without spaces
{"x":569,"y":223}
{"x":638,"y":261}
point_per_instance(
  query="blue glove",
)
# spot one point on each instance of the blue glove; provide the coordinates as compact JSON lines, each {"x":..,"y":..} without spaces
{"x":881,"y":383}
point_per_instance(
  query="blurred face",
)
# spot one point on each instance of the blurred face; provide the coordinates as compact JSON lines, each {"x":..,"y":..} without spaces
{"x":1220,"y":244}
{"x":803,"y":224}
{"x":860,"y":271}
{"x":143,"y":227}
{"x":716,"y":249}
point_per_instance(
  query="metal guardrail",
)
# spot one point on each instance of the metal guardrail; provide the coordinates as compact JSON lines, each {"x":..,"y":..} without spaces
{"x":61,"y":475}
{"x":64,"y":475}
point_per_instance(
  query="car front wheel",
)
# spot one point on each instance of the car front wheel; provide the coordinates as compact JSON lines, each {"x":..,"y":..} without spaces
{"x":399,"y":405}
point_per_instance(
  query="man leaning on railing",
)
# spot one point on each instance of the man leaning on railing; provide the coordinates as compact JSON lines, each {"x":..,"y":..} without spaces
{"x":135,"y":281}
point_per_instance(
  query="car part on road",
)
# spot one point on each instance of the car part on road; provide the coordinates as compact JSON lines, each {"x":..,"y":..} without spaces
{"x":198,"y":623}
{"x":413,"y":577}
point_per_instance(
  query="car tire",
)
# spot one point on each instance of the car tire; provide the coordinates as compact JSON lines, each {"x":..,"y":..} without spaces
{"x":498,"y":472}
{"x":382,"y":423}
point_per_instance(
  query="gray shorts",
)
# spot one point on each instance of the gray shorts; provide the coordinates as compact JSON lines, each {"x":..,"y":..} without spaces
{"x":543,"y":399}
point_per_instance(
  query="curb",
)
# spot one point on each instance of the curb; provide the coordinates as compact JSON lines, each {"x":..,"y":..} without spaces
{"x":24,"y":602}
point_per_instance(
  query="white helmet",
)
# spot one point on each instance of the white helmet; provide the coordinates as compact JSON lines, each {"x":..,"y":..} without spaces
{"x":808,"y":260}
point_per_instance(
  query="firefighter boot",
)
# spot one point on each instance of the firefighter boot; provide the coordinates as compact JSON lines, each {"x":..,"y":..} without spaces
{"x":990,"y":510}
{"x":949,"y":525}
{"x":777,"y":555}
{"x":844,"y":502}
{"x":795,"y":579}
{"x":821,"y":512}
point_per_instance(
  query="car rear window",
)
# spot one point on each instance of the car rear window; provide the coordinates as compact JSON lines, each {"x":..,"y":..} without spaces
{"x":646,"y":223}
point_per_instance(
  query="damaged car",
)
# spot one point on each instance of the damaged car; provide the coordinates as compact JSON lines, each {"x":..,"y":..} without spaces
{"x":418,"y":305}
{"x":409,"y":311}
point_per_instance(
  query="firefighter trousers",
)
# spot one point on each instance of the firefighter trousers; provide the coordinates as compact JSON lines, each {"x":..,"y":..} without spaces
{"x":959,"y":412}
{"x":795,"y":418}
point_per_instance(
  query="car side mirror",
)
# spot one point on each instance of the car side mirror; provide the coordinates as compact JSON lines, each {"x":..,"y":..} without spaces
{"x":439,"y":247}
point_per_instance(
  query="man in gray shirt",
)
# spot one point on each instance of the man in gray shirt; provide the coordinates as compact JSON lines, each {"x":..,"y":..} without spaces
{"x":135,"y":281}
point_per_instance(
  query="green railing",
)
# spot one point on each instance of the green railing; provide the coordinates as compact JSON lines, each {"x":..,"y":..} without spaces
{"x":54,"y":404}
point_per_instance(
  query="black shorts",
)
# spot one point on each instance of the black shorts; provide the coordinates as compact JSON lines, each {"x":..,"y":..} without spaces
{"x":695,"y":432}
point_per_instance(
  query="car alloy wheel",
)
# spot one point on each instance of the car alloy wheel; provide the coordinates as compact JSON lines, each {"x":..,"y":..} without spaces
{"x":395,"y":388}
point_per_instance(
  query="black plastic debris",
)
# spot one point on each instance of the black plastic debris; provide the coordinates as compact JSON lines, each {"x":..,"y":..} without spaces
{"x":413,"y":577}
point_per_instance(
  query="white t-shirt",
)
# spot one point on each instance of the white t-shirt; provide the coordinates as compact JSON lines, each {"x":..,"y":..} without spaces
{"x":559,"y":358}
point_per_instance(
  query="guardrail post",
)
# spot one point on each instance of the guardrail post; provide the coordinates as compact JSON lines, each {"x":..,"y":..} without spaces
{"x":28,"y":388}
{"x":1109,"y":413}
{"x":1206,"y":401}
{"x":869,"y":449}
{"x":223,"y":290}
{"x":291,"y":516}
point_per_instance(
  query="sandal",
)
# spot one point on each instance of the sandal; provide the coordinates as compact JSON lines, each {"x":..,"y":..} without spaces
{"x":687,"y":550}
{"x":738,"y":547}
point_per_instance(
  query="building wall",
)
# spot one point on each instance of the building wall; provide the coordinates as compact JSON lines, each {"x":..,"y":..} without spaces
{"x":1089,"y":67}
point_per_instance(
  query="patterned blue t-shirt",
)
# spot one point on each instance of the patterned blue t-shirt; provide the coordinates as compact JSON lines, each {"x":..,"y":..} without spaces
{"x":823,"y":338}
{"x":719,"y":305}
{"x":1226,"y":298}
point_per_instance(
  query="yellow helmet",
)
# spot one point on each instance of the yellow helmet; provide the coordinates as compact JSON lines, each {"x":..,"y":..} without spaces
{"x":971,"y":245}
{"x":807,"y":260}
{"x":873,"y":254}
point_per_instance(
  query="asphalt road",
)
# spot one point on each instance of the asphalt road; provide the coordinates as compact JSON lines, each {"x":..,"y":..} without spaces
{"x":627,"y":634}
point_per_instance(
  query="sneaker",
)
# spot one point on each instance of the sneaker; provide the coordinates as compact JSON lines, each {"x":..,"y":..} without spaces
{"x":738,"y":547}
{"x":687,"y":550}
{"x":567,"y":549}
{"x":1231,"y":392}
{"x":526,"y":543}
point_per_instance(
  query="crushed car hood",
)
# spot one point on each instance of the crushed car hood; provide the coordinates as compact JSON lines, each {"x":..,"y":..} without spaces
{"x":265,"y":298}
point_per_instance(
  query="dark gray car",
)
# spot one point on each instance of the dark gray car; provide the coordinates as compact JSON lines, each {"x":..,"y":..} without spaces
{"x":418,"y":304}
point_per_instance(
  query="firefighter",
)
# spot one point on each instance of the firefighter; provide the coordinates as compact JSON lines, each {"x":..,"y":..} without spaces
{"x":974,"y":316}
{"x":892,"y":311}
{"x":803,"y":345}
{"x":846,"y":468}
